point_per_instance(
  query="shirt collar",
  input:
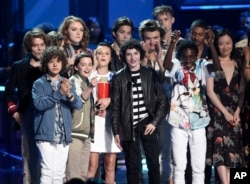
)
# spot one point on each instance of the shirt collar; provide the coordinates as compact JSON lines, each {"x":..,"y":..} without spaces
{"x":48,"y":78}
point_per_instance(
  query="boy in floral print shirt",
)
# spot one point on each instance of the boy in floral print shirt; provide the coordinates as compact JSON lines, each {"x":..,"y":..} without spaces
{"x":188,"y":114}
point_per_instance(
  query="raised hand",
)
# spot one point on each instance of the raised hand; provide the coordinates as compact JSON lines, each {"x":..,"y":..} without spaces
{"x":175,"y":36}
{"x":64,"y":87}
{"x":94,"y":81}
{"x":209,"y":36}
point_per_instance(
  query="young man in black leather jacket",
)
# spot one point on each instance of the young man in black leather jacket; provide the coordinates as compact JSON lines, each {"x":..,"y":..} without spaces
{"x":138,"y":105}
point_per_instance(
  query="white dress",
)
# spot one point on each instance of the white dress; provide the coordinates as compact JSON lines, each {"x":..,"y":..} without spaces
{"x":104,"y":138}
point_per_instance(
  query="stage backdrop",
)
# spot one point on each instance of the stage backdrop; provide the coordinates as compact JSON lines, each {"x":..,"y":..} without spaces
{"x":45,"y":11}
{"x":54,"y":11}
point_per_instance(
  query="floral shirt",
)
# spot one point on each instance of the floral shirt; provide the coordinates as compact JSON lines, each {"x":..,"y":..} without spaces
{"x":188,"y":108}
{"x":59,"y":134}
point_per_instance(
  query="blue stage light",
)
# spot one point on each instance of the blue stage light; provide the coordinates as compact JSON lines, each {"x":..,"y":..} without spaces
{"x":212,"y":7}
{"x":2,"y":88}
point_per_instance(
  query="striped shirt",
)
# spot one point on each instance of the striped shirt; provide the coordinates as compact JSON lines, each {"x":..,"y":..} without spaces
{"x":139,"y":108}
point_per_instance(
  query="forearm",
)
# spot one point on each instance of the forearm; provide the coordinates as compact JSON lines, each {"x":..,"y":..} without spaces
{"x":167,"y":64}
{"x":237,"y":111}
{"x":160,"y":63}
{"x":215,"y":58}
{"x":216,"y":102}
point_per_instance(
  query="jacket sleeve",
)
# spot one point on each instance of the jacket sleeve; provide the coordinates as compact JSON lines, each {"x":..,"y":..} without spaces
{"x":9,"y":91}
{"x":77,"y":102}
{"x":43,"y":99}
{"x":161,"y":105}
{"x":115,"y":105}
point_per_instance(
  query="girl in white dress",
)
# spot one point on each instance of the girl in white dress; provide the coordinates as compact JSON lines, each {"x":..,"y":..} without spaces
{"x":103,"y":139}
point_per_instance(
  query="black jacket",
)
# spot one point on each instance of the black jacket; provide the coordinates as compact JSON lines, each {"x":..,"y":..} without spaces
{"x":22,"y":76}
{"x":122,"y":102}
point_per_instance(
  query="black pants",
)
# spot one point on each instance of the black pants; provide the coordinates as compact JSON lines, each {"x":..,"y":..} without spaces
{"x":132,"y":153}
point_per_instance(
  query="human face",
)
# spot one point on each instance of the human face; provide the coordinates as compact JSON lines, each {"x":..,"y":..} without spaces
{"x":54,"y":67}
{"x":103,"y":56}
{"x":166,"y":20}
{"x":188,"y":58}
{"x":198,"y":35}
{"x":84,"y":67}
{"x":151,"y":39}
{"x":225,"y":45}
{"x":133,"y":57}
{"x":75,"y":32}
{"x":123,"y":34}
{"x":37,"y":47}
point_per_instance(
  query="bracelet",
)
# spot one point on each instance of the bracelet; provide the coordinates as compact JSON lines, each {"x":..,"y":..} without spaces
{"x":69,"y":98}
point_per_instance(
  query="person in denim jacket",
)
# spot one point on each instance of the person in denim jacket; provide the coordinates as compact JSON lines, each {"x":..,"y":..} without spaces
{"x":53,"y":98}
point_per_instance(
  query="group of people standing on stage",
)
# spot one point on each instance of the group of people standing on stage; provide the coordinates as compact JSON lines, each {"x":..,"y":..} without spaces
{"x":171,"y":96}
